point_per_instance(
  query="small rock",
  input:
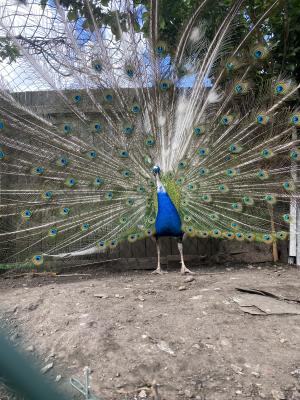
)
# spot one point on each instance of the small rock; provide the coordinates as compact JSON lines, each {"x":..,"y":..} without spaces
{"x":189,"y":279}
{"x":278,"y":395}
{"x":196,"y":346}
{"x":262,"y":395}
{"x":296,"y":372}
{"x":141,"y":298}
{"x":188,"y":393}
{"x":143,"y":394}
{"x":33,"y":306}
{"x":250,"y":266}
{"x":101,"y":295}
{"x":282,"y":340}
{"x":238,"y":392}
{"x":256,"y":374}
{"x":119,"y":296}
{"x":58,"y":378}
{"x":181,"y":288}
{"x":237,"y":369}
{"x":30,"y":348}
{"x":47,"y":367}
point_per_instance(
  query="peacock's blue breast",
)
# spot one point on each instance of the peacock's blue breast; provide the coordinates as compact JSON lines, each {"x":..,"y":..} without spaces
{"x":168,"y":221}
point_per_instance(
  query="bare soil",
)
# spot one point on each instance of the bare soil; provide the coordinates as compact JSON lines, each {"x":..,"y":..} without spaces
{"x":132,"y":327}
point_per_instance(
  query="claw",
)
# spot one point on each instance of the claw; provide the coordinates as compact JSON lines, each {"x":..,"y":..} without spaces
{"x":185,"y":270}
{"x":159,"y":271}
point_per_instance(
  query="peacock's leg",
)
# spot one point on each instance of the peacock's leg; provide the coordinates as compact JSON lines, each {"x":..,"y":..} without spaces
{"x":158,"y":269}
{"x":184,"y":269}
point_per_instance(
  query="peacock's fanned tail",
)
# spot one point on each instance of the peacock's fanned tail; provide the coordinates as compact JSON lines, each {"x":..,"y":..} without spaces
{"x":225,"y":142}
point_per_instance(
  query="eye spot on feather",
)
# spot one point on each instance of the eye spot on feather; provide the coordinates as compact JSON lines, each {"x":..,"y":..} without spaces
{"x":226,"y":120}
{"x":85,"y":227}
{"x":38,"y":171}
{"x":53,"y":232}
{"x":37,"y":260}
{"x":2,"y":155}
{"x":136,"y":109}
{"x":250,"y":237}
{"x":239,"y":236}
{"x":287,"y":218}
{"x":271,"y":199}
{"x":203,"y":171}
{"x":223,"y":188}
{"x":101,"y":244}
{"x":289,"y":186}
{"x":295,"y":154}
{"x":62,"y":162}
{"x":92,"y":154}
{"x":237,"y":207}
{"x":2,"y":124}
{"x":70,"y":182}
{"x":132,"y":238}
{"x":77,"y":98}
{"x":267,"y":153}
{"x":206,"y":198}
{"x":262,"y":119}
{"x":67,"y":128}
{"x":230,"y":66}
{"x":182,"y":164}
{"x":150,"y":141}
{"x":164,"y":85}
{"x":281,"y":235}
{"x":128,"y":129}
{"x":98,"y":181}
{"x":203,"y":151}
{"x":124,"y":154}
{"x":267,"y":238}
{"x":97,"y":127}
{"x":248,"y":200}
{"x":47,"y":195}
{"x":65,"y":211}
{"x":26,"y":214}
{"x":295,"y":119}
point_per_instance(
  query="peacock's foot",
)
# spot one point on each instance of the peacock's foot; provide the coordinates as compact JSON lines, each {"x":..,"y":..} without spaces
{"x":159,"y":271}
{"x":184,"y":270}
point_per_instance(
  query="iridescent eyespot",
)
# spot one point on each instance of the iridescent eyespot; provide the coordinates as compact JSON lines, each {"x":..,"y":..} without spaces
{"x":37,"y":260}
{"x":248,"y":200}
{"x":126,"y":174}
{"x":124,"y":154}
{"x":235,"y":148}
{"x":108,"y":97}
{"x":270,"y":198}
{"x":108,"y":195}
{"x":77,"y":98}
{"x":101,"y":244}
{"x":164,"y":85}
{"x":262,"y":119}
{"x":203,"y":171}
{"x":223,"y":188}
{"x":180,"y":180}
{"x":267,"y":238}
{"x":240,"y":236}
{"x":191,"y":186}
{"x":67,"y":128}
{"x":62,"y":162}
{"x":135,"y":108}
{"x":203,"y":151}
{"x":250,"y":237}
{"x":113,"y":243}
{"x":26,"y":214}
{"x":38,"y":170}
{"x":92,"y":154}
{"x":1,"y":124}
{"x":260,"y":52}
{"x":128,"y":129}
{"x":234,"y":225}
{"x":295,"y":119}
{"x":266,"y":153}
{"x":262,"y":174}
{"x":237,"y":206}
{"x":226,"y":120}
{"x":2,"y":155}
{"x":216,"y":233}
{"x":98,"y":181}
{"x":206,"y":198}
{"x":98,"y":127}
{"x":289,"y":186}
{"x":182,"y":164}
{"x":47,"y":195}
{"x":70,"y":182}
{"x":281,"y":235}
{"x":84,"y":227}
{"x":65,"y":211}
{"x":150,"y":141}
{"x":231,"y":172}
{"x":123,"y":220}
{"x":132,"y":238}
{"x":52,"y":232}
{"x":229,"y":235}
{"x":287,"y":218}
{"x":140,"y":189}
{"x":97,"y":66}
{"x":295,"y":154}
{"x":160,"y":49}
{"x":129,"y":71}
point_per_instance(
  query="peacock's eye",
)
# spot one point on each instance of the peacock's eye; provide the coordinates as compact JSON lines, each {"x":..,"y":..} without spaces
{"x":98,"y":127}
{"x":258,"y":53}
{"x":67,"y":128}
{"x":230,"y":66}
{"x":129,"y":73}
{"x":279,"y":89}
{"x":1,"y":124}
{"x":2,"y":155}
{"x":77,"y":98}
{"x":135,"y":109}
{"x":109,"y":98}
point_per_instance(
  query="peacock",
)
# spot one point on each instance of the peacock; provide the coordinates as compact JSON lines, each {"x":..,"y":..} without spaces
{"x":197,"y":139}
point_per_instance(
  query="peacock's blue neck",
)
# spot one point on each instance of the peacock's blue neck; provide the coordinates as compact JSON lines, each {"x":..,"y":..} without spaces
{"x":168,"y":222}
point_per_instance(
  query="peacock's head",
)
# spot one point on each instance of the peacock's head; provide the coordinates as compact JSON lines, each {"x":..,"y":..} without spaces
{"x":156,"y":170}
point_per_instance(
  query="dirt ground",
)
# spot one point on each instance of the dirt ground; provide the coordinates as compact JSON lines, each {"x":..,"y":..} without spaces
{"x":131,"y":328}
